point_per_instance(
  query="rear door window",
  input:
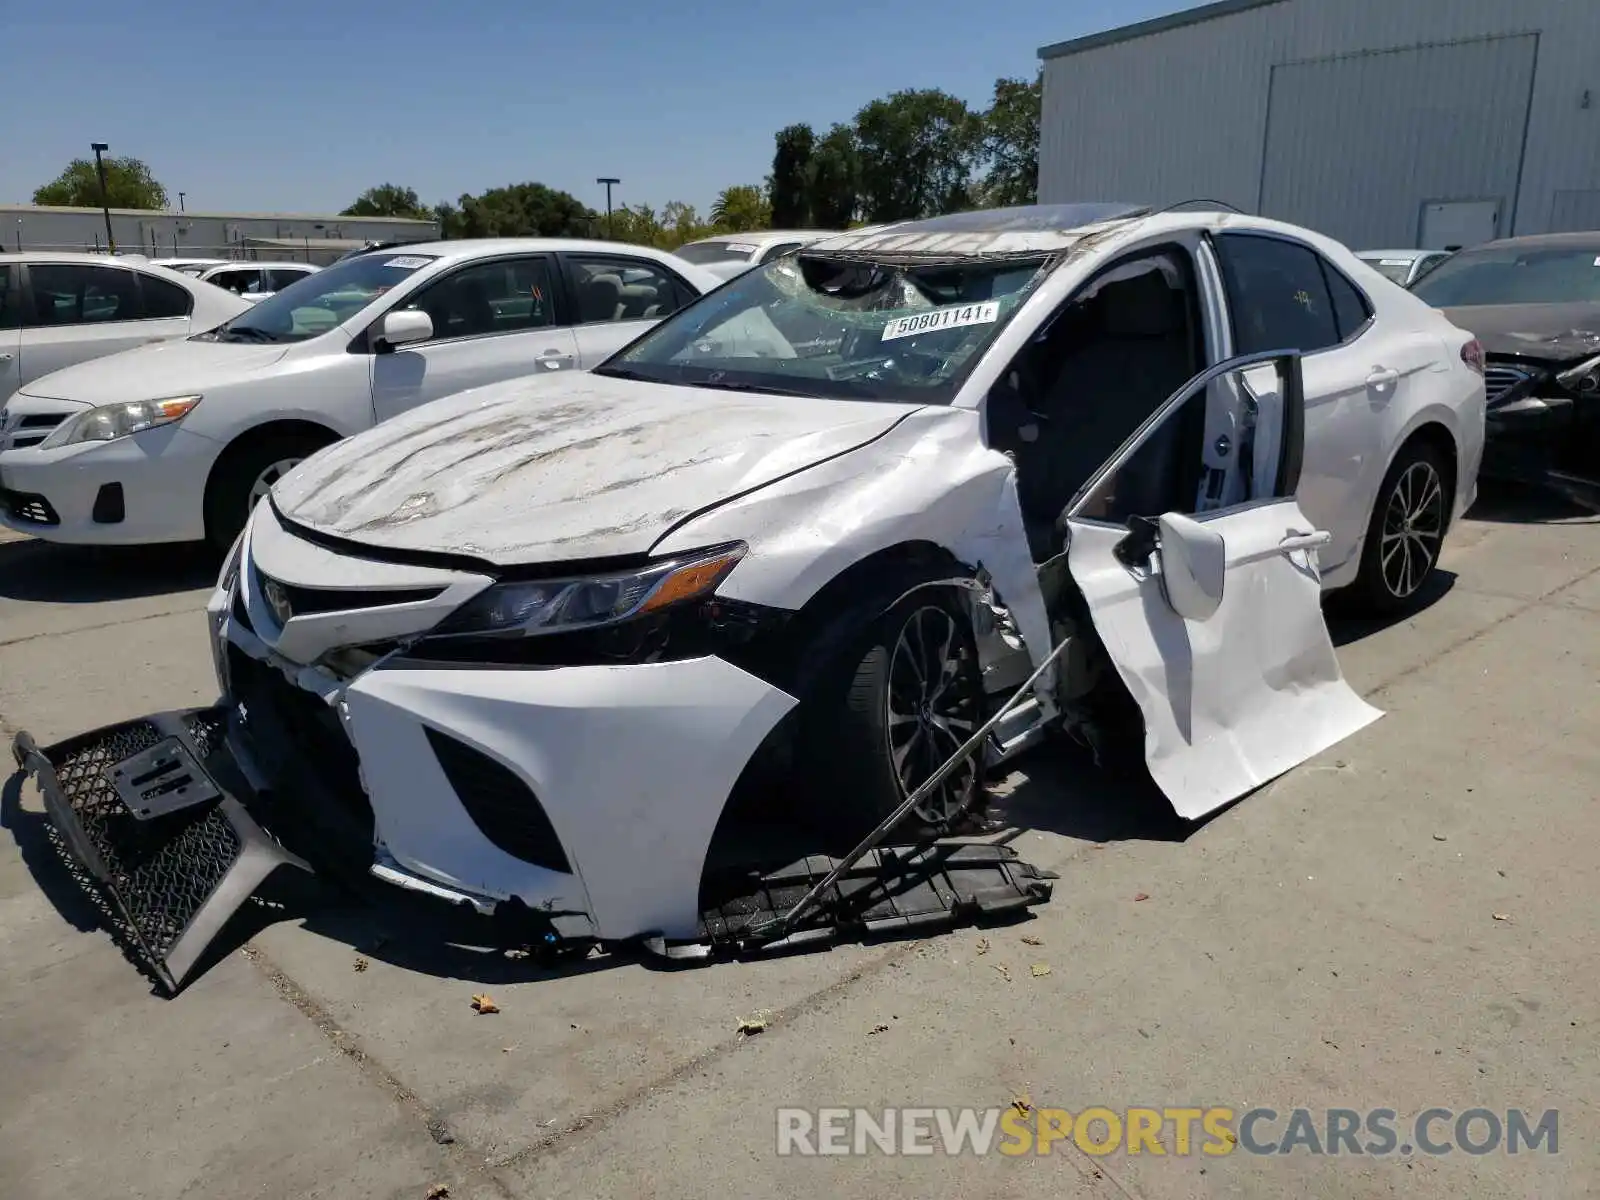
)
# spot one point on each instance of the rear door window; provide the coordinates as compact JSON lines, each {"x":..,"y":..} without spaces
{"x":1277,"y":295}
{"x":10,"y":311}
{"x":80,"y":294}
{"x":623,"y":289}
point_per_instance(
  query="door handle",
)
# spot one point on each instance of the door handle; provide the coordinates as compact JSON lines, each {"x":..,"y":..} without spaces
{"x":1302,"y":539}
{"x":554,"y":360}
{"x":1382,"y":377}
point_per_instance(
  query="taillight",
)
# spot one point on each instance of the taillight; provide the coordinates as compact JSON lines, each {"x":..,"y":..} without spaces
{"x":1472,"y":354}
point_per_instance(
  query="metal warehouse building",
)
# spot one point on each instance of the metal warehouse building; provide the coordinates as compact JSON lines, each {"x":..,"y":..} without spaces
{"x":1384,"y":123}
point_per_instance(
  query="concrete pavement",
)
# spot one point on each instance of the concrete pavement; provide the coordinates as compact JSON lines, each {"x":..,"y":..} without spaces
{"x":1330,"y":941}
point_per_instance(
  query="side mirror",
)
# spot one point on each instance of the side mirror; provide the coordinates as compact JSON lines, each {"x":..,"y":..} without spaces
{"x":402,"y":327}
{"x":1007,"y":419}
{"x":1194,"y":565}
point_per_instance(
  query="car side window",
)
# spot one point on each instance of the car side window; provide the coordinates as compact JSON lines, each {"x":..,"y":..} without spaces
{"x":504,"y":296}
{"x":281,"y":277}
{"x":79,"y":294}
{"x":163,"y":299}
{"x":780,"y":250}
{"x":10,"y":317}
{"x":623,"y":289}
{"x":1277,"y":295}
{"x":1351,"y":312}
{"x":238,"y":281}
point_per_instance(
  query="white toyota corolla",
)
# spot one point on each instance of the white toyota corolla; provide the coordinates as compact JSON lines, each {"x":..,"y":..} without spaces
{"x":177,"y":442}
{"x":824,"y":523}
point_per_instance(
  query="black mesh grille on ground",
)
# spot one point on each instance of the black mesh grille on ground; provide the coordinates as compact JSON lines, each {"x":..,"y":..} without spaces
{"x":163,"y":870}
{"x":503,"y":808}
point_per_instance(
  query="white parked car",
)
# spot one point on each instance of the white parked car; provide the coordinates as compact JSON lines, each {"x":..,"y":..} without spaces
{"x":1405,"y":267}
{"x":253,"y":281}
{"x":57,"y":310}
{"x":821,"y":524}
{"x":175,"y":442}
{"x":737,"y":253}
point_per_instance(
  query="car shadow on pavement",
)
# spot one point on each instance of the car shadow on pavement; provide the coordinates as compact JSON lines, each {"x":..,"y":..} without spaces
{"x":41,"y":572}
{"x":1064,"y":791}
{"x":1346,"y":626}
{"x":1523,"y":504}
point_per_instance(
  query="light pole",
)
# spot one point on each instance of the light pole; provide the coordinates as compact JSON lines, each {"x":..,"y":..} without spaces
{"x":181,"y":195}
{"x":105,"y":204}
{"x":609,"y":182}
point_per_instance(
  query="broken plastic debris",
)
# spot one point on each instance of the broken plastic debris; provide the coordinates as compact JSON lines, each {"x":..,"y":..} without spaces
{"x":750,"y":1026}
{"x":1040,"y":970}
{"x":360,"y":964}
{"x":485,"y":1004}
{"x":1146,"y":895}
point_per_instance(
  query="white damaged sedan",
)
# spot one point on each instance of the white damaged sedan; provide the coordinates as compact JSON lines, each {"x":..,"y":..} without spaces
{"x":824,"y":523}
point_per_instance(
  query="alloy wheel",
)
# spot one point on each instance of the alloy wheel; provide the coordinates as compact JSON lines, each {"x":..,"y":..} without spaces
{"x":268,"y":477}
{"x":932,"y":707}
{"x":1413,"y":529}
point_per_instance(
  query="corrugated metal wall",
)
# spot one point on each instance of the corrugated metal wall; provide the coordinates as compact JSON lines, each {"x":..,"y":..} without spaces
{"x":1353,"y":120}
{"x":1183,"y":113}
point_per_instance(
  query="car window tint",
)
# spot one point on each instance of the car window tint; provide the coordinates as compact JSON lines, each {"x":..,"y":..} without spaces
{"x":163,"y":298}
{"x":505,"y":296}
{"x":622,"y":289}
{"x":1350,"y":309}
{"x":239,"y":281}
{"x":77,"y":294}
{"x":279,"y":278}
{"x":1277,"y":295}
{"x":10,"y":317}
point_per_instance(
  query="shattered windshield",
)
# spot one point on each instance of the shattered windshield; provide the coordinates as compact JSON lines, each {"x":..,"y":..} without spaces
{"x":842,"y":327}
{"x":1514,"y":275}
{"x":315,"y":304}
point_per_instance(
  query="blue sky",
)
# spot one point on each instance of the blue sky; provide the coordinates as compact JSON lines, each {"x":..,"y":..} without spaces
{"x":297,"y":106}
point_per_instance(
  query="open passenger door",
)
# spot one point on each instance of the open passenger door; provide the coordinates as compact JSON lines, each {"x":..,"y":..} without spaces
{"x":1214,"y":619}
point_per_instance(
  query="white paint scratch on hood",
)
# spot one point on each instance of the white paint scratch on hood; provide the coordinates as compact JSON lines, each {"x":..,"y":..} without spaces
{"x":560,"y":468}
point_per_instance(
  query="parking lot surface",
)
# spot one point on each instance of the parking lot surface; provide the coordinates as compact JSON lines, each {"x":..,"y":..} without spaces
{"x":1408,"y":921}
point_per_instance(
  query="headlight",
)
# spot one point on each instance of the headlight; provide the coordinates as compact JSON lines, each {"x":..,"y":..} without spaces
{"x":561,"y":605}
{"x":1583,"y":378}
{"x":110,"y":421}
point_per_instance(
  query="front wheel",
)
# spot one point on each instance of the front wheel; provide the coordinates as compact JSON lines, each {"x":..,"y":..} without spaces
{"x":912,"y":696}
{"x":1406,"y":533}
{"x":244,"y":475}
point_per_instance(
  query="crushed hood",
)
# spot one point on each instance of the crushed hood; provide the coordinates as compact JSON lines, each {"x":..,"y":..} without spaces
{"x":564,"y":467}
{"x":176,"y":368}
{"x":1556,"y":333}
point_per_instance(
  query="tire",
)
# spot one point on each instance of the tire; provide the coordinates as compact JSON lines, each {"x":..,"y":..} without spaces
{"x":242,"y":475}
{"x":1406,"y":533}
{"x":901,"y":697}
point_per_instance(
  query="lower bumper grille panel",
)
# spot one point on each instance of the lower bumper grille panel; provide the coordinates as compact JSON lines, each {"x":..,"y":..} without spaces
{"x":168,"y":877}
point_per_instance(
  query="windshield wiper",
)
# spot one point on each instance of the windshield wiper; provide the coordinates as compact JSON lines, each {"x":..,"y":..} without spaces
{"x":246,"y":333}
{"x":730,"y":385}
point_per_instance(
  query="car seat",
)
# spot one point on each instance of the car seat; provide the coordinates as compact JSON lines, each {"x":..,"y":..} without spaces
{"x":600,"y":298}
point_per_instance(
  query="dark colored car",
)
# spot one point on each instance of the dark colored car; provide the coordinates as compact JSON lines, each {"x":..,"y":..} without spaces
{"x":1534,"y":303}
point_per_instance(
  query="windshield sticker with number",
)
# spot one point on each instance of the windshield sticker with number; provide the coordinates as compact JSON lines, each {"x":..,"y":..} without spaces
{"x":936,"y":319}
{"x":408,"y":262}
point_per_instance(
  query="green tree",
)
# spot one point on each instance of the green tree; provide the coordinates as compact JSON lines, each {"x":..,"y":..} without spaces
{"x":741,"y":208}
{"x":1011,"y":142}
{"x":833,"y":188}
{"x":389,"y":200}
{"x":918,"y":151}
{"x":637,"y":224}
{"x":524,"y":210}
{"x":129,"y":184}
{"x":683,"y":224}
{"x":789,"y":183}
